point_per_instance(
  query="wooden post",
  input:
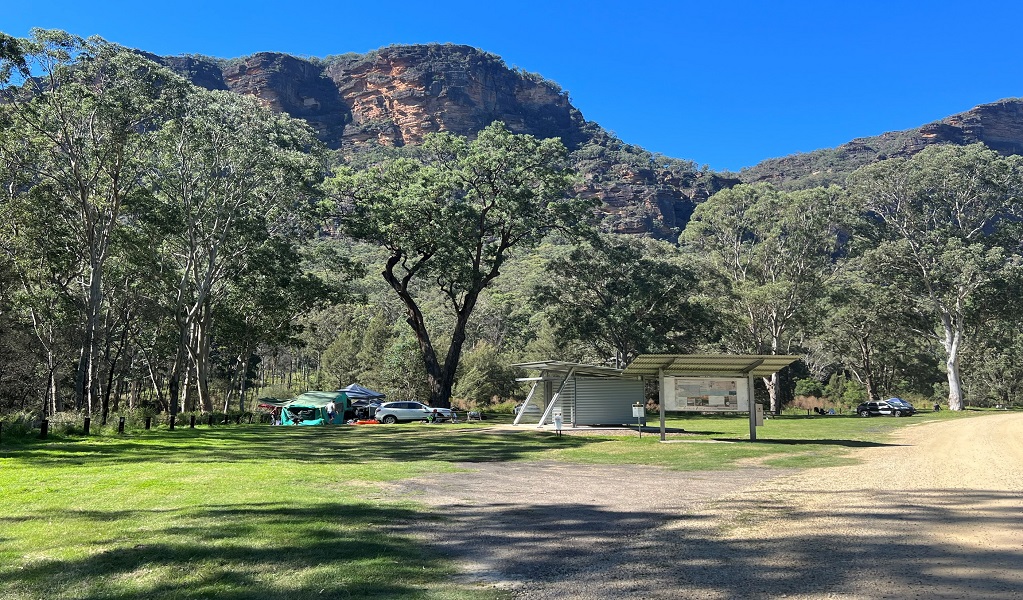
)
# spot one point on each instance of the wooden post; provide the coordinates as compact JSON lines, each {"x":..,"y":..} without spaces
{"x":211,"y":419}
{"x":44,"y":429}
{"x":149,"y":422}
{"x":191,"y":422}
{"x":86,"y":422}
{"x":172,"y":418}
{"x":120,"y":425}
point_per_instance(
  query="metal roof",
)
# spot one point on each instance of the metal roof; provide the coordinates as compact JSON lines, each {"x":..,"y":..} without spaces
{"x":760,"y":365}
{"x":557,"y":366}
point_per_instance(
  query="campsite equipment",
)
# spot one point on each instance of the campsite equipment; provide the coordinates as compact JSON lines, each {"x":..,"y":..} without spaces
{"x":310,"y":408}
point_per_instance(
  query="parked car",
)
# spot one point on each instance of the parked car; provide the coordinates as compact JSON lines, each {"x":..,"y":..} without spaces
{"x":530,"y":409}
{"x":392,"y":412}
{"x":894,"y":407}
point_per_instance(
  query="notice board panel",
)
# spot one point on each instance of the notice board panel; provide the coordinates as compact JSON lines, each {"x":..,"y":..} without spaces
{"x":706,"y":394}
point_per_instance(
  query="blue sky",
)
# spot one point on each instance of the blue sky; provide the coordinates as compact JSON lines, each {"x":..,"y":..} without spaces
{"x":726,"y":83}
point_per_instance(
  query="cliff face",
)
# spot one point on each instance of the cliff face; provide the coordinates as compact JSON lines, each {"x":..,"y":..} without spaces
{"x":400,"y":94}
{"x":998,"y":125}
{"x":397,"y":95}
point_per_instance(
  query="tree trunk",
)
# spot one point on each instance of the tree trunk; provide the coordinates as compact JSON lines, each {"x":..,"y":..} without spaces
{"x":771,"y":383}
{"x":952,"y":341}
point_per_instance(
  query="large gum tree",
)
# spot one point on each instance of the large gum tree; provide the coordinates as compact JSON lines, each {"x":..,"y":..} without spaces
{"x":933,"y":222}
{"x":448,"y":214}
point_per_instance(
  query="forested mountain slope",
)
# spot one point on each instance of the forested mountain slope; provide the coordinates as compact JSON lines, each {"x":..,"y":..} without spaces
{"x":998,"y":125}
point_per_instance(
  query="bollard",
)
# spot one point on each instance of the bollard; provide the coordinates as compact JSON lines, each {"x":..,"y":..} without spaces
{"x":211,"y":420}
{"x":44,"y":428}
{"x":227,"y":419}
{"x":191,"y":422}
{"x":120,"y":425}
{"x":171,"y":424}
{"x":86,"y":423}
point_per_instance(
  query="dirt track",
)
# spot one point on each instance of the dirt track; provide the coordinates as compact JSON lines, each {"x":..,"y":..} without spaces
{"x":936,"y":514}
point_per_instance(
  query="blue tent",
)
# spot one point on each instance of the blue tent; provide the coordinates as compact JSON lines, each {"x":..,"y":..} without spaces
{"x":357,"y":392}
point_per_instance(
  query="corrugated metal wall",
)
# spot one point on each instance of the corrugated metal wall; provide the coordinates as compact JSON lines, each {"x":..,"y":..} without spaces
{"x":606,"y":401}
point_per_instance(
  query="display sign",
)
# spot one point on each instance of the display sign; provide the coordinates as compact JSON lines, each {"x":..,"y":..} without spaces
{"x":706,"y":394}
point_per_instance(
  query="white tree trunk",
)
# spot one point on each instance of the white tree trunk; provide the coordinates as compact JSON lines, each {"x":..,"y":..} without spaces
{"x":952,"y":341}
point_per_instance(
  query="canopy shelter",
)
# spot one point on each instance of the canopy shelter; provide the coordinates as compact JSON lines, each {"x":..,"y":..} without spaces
{"x":582,"y":394}
{"x":357,"y":392}
{"x":683,"y":371}
{"x":310,"y":408}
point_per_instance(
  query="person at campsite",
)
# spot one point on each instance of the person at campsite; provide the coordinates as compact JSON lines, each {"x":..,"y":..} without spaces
{"x":331,"y":407}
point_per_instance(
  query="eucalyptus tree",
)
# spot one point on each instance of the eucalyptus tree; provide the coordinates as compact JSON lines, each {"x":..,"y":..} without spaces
{"x":448,"y":214}
{"x":621,"y":298}
{"x":765,"y":257}
{"x":236,"y":183}
{"x":933,"y":224}
{"x":869,"y":332}
{"x":84,"y":120}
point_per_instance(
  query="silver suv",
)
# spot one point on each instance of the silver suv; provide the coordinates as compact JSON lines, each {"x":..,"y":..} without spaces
{"x":392,"y":412}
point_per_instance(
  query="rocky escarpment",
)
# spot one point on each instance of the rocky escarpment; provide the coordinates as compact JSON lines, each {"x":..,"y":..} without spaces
{"x":397,"y":95}
{"x":998,"y":125}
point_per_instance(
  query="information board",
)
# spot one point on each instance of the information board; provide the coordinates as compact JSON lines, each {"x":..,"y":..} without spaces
{"x":706,"y":394}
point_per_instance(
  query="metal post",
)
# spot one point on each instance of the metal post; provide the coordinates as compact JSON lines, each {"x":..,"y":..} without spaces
{"x":752,"y":410}
{"x":120,"y":425}
{"x":660,"y":398}
{"x":44,"y":429}
{"x":149,"y":423}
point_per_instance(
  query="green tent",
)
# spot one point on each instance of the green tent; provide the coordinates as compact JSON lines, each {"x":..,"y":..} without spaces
{"x":310,"y":408}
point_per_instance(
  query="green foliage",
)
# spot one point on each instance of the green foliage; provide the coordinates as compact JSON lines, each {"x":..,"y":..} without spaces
{"x":484,"y":376}
{"x":809,"y":387}
{"x":451,"y":212}
{"x":932,"y":230}
{"x":620,"y":301}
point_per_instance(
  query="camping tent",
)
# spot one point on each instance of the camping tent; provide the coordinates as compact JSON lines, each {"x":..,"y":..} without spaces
{"x":310,"y":408}
{"x":357,"y":392}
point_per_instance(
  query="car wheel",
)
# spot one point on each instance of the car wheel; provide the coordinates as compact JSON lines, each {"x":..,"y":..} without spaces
{"x":390,"y":419}
{"x":864,"y":413}
{"x":898,"y":413}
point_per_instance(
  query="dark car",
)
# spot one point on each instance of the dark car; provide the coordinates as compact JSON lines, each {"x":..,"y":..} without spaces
{"x":892,"y":407}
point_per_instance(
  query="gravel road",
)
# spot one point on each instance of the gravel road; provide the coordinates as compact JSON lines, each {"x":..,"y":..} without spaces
{"x":934,"y":514}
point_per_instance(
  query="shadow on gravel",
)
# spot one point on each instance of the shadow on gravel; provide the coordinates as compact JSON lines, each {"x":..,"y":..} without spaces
{"x":584,"y":551}
{"x":819,"y":442}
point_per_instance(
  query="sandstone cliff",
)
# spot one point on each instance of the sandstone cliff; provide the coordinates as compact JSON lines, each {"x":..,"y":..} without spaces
{"x":396,"y":95}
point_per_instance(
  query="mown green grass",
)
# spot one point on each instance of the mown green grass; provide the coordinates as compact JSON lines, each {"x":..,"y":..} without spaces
{"x":280,"y":513}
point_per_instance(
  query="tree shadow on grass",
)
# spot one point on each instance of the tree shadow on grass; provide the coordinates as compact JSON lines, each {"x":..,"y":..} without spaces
{"x":271,"y":551}
{"x":353,"y":445}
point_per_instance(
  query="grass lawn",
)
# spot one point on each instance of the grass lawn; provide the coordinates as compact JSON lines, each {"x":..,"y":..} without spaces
{"x":278,"y":512}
